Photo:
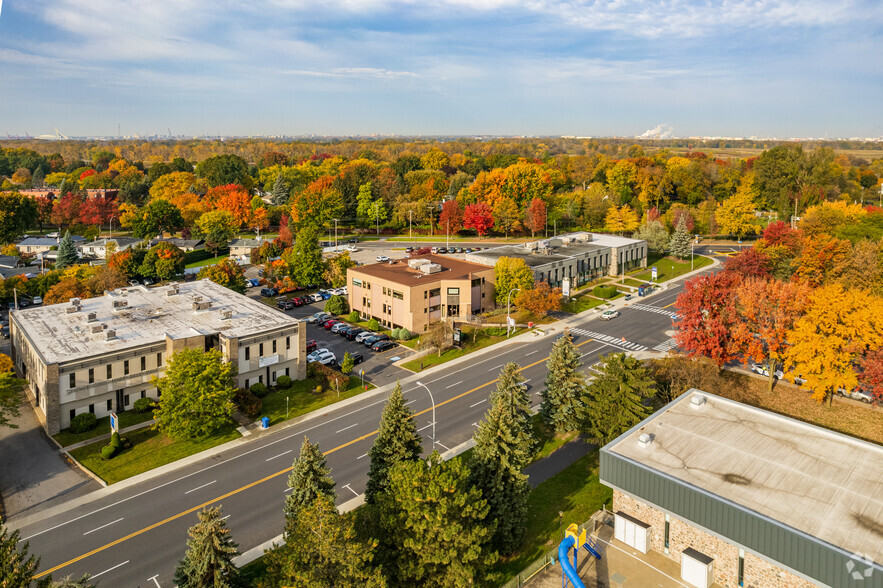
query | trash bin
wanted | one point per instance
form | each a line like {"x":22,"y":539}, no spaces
{"x":265,"y":422}
{"x":641,"y":291}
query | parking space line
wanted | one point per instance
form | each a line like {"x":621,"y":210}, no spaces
{"x":109,"y":570}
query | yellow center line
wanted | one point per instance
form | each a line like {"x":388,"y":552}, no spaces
{"x":261,"y":481}
{"x":672,"y":304}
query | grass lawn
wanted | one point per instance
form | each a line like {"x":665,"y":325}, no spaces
{"x":669,"y":267}
{"x":576,"y":492}
{"x":551,"y":441}
{"x":209,"y":261}
{"x":469,"y":346}
{"x":634,"y":283}
{"x":150,"y":449}
{"x":302,"y":399}
{"x":127,"y":419}
{"x":581,"y":303}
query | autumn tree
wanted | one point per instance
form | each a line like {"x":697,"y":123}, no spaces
{"x":222,"y":170}
{"x":505,"y":215}
{"x":98,"y":210}
{"x":217,"y":227}
{"x":749,"y":263}
{"x":736,"y":215}
{"x":535,"y":216}
{"x":616,"y":397}
{"x":539,"y":300}
{"x":511,"y":273}
{"x":17,"y":566}
{"x":564,"y":399}
{"x":163,"y":261}
{"x":451,"y":216}
{"x":656,"y":235}
{"x":439,"y":335}
{"x":478,"y":217}
{"x":823,"y":259}
{"x":621,"y":220}
{"x":66,"y":210}
{"x":305,"y":258}
{"x":66,"y":289}
{"x":870,"y":372}
{"x":233,"y":199}
{"x":397,"y":441}
{"x":337,"y":266}
{"x":706,"y":317}
{"x":227,"y":273}
{"x":839,"y":327}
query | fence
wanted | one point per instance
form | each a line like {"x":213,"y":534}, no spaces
{"x":598,"y":519}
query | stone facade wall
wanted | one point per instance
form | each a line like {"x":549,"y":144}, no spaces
{"x":758,"y":573}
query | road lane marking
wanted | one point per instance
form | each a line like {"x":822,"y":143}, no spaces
{"x":101,"y":527}
{"x":363,"y":455}
{"x":201,"y":487}
{"x":109,"y":570}
{"x":477,"y":403}
{"x":265,"y":478}
{"x":280,"y":455}
{"x":454,"y":384}
{"x":496,"y":367}
{"x":345,"y":428}
{"x":426,"y":427}
{"x":531,"y":352}
{"x":351,"y":490}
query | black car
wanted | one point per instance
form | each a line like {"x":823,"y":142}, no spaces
{"x":285,"y":304}
{"x":353,"y":240}
{"x":343,"y":332}
{"x":357,"y":358}
{"x":351,"y":334}
{"x":383,"y":345}
{"x":441,"y":251}
{"x":269,"y":292}
{"x":372,"y":340}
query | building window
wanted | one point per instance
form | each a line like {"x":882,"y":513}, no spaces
{"x":73,"y":380}
{"x":357,"y":282}
{"x":110,"y":372}
{"x":667,"y":532}
{"x":398,"y":295}
{"x":274,"y":346}
{"x":246,"y":383}
{"x":91,"y":376}
{"x":288,"y":342}
{"x":72,"y":414}
{"x":286,"y":371}
{"x":425,"y":294}
{"x":453,"y":291}
{"x":143,"y":364}
{"x":247,"y":357}
{"x":261,"y":350}
{"x":126,"y":368}
{"x":92,"y":407}
{"x":158,"y":359}
{"x":109,"y":405}
{"x":143,"y":393}
{"x":260,"y":379}
{"x":125,"y":400}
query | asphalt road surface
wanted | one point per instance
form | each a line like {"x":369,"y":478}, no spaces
{"x":135,"y":536}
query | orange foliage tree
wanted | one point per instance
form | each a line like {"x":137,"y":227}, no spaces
{"x":232,"y":198}
{"x":539,"y":300}
{"x":823,"y":260}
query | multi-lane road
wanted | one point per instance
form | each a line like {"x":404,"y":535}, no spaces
{"x":134,"y":536}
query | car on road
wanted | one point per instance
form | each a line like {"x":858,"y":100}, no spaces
{"x":323,"y":356}
{"x":856,"y":394}
{"x":38,"y":300}
{"x":368,"y":342}
{"x":381,"y":259}
{"x":360,"y":338}
{"x":628,"y":296}
{"x":269,"y":292}
{"x":311,"y":345}
{"x":352,"y":248}
{"x":609,"y":315}
{"x":799,"y":380}
{"x":761,"y":369}
{"x":382,"y":345}
{"x":285,"y":304}
{"x":319,"y":317}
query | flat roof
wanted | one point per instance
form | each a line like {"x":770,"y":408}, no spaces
{"x":150,"y":315}
{"x":401,"y":273}
{"x":577,"y":247}
{"x":825,"y":484}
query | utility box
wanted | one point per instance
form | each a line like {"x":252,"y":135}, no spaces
{"x":697,"y":569}
{"x":632,"y":532}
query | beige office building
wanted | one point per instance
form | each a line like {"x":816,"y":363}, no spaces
{"x":100,"y":355}
{"x":412,"y":293}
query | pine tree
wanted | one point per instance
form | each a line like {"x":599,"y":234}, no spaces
{"x":17,"y":568}
{"x":67,"y":252}
{"x":680,"y":240}
{"x":504,"y":445}
{"x":564,"y":397}
{"x":280,"y":191}
{"x":397,"y":441}
{"x":38,"y":178}
{"x":310,"y":478}
{"x":210,"y":552}
{"x":83,"y":581}
{"x":616,"y":396}
{"x":435,"y":530}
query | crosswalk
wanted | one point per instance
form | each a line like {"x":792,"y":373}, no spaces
{"x":666,"y":346}
{"x":655,"y":309}
{"x":610,"y":340}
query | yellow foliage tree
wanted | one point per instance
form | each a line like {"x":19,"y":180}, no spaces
{"x":622,"y":220}
{"x":736,"y":215}
{"x":838,"y":327}
{"x":128,"y":212}
{"x":828,"y":216}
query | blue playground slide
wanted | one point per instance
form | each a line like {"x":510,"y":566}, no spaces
{"x":592,"y":547}
{"x":568,"y":568}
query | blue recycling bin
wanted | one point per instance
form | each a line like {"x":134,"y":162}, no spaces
{"x":265,"y":422}
{"x":640,"y":290}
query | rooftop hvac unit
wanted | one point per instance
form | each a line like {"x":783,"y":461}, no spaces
{"x":645,"y":439}
{"x":97,"y":328}
{"x":431,"y":268}
{"x":697,"y":402}
{"x":91,"y":317}
{"x":554,"y":242}
{"x":227,"y":314}
{"x":415,"y":263}
{"x":110,"y":335}
{"x":120,"y":304}
{"x":197,"y":306}
{"x":72,"y":309}
{"x":173,"y":289}
{"x":531,"y":245}
{"x":75,"y":302}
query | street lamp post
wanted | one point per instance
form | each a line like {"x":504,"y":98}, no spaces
{"x":691,"y":256}
{"x":111,"y":227}
{"x":335,"y":235}
{"x":286,"y":408}
{"x":432,"y":400}
{"x":508,"y":318}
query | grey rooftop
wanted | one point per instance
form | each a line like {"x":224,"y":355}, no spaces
{"x":148,"y":316}
{"x":825,"y":484}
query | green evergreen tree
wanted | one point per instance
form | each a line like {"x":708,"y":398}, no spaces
{"x":323,"y":549}
{"x":396,"y":441}
{"x":38,"y":178}
{"x":280,"y":191}
{"x":346,"y":366}
{"x":564,"y":397}
{"x":17,"y":568}
{"x":305,"y":260}
{"x":616,"y":397}
{"x":71,"y":582}
{"x":310,"y":478}
{"x":680,"y":240}
{"x":504,"y":445}
{"x":208,"y":562}
{"x":435,"y":530}
{"x":67,"y":252}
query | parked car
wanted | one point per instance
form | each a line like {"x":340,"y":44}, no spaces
{"x":323,"y":356}
{"x":434,"y":250}
{"x":314,"y":297}
{"x":330,"y":323}
{"x":360,"y":338}
{"x":134,"y":283}
{"x":339,"y":327}
{"x":442,"y":251}
{"x":319,"y":317}
{"x":609,"y":315}
{"x":269,"y":292}
{"x":409,"y":249}
{"x":856,"y":394}
{"x":298,"y":301}
{"x":353,"y":333}
{"x":381,"y":258}
{"x":38,"y":300}
{"x":761,"y":369}
{"x":311,"y":345}
{"x":799,"y":380}
{"x":628,"y":296}
{"x":24,"y":303}
{"x":357,"y":358}
{"x":353,"y":240}
{"x":252,"y":283}
{"x":4,"y":331}
{"x":352,"y":248}
{"x":374,"y":339}
{"x":284,"y":304}
{"x":382,"y":345}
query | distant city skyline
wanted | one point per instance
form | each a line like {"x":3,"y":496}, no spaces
{"x":678,"y":68}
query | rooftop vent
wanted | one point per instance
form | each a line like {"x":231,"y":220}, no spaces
{"x":197,"y":298}
{"x":97,"y":329}
{"x":91,"y":317}
{"x":197,"y":306}
{"x":698,"y":401}
{"x":415,"y":263}
{"x":173,"y":289}
{"x":431,"y":268}
{"x":645,"y":439}
{"x":227,"y":314}
{"x":110,"y":335}
{"x":531,"y":245}
{"x":72,"y":309}
{"x":120,"y":304}
{"x":75,"y":302}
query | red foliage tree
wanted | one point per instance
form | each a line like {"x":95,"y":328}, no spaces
{"x":87,"y":173}
{"x":97,"y":211}
{"x":285,"y":238}
{"x":870,"y":375}
{"x":706,"y":317}
{"x":653,"y":214}
{"x":748,"y":263}
{"x":535,"y":216}
{"x":679,"y":214}
{"x":232,"y":198}
{"x":451,"y":216}
{"x":781,"y":233}
{"x":44,"y":210}
{"x":479,"y":217}
{"x":66,"y":210}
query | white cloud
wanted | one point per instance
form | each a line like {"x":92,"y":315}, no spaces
{"x":351,"y":72}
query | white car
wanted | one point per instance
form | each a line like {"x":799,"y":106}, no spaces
{"x":38,"y":300}
{"x":856,"y":394}
{"x":323,"y":356}
{"x":360,"y":338}
{"x":318,"y":317}
{"x":316,"y":298}
{"x":381,"y":258}
{"x":352,"y":248}
{"x":761,"y":369}
{"x":609,"y":315}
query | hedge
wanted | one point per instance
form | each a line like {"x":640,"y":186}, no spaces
{"x":283,"y":382}
{"x":143,"y":404}
{"x":604,"y":291}
{"x":259,"y":390}
{"x":83,"y":422}
{"x":201,"y":254}
{"x":108,"y":451}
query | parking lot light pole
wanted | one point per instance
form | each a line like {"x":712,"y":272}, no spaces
{"x":431,"y":399}
{"x":508,"y":318}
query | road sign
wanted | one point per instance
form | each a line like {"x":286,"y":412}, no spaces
{"x":114,"y":423}
{"x":457,"y":335}
{"x":565,"y":287}
{"x":653,"y":273}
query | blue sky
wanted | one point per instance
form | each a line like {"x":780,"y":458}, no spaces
{"x":800,"y":68}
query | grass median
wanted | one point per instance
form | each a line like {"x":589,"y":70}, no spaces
{"x":669,"y":268}
{"x":472,"y":340}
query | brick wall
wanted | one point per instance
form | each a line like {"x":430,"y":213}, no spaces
{"x":758,"y":573}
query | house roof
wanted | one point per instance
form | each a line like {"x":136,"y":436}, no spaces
{"x":8,"y":261}
{"x":120,"y":241}
{"x":246,"y":242}
{"x":399,"y":272}
{"x":47,"y":241}
{"x":182,"y":243}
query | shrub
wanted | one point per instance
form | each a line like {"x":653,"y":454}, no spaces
{"x":495,"y":331}
{"x":248,"y":403}
{"x":604,"y":291}
{"x":373,"y":325}
{"x":353,"y":317}
{"x":258,"y":390}
{"x":143,"y":404}
{"x":394,"y":334}
{"x":83,"y":422}
{"x":283,"y":382}
{"x":329,"y":378}
{"x":108,"y":451}
{"x":337,"y":305}
{"x":115,"y":441}
{"x":404,"y":334}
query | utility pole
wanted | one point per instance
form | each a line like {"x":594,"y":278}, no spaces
{"x":335,"y":235}
{"x":410,"y":229}
{"x":448,"y":233}
{"x":377,"y":216}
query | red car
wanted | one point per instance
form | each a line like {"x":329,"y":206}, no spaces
{"x":311,"y":345}
{"x":298,"y":301}
{"x":330,"y":323}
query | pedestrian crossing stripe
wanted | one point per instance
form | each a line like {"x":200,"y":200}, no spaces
{"x":666,"y":345}
{"x":655,"y":309}
{"x":610,"y":340}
